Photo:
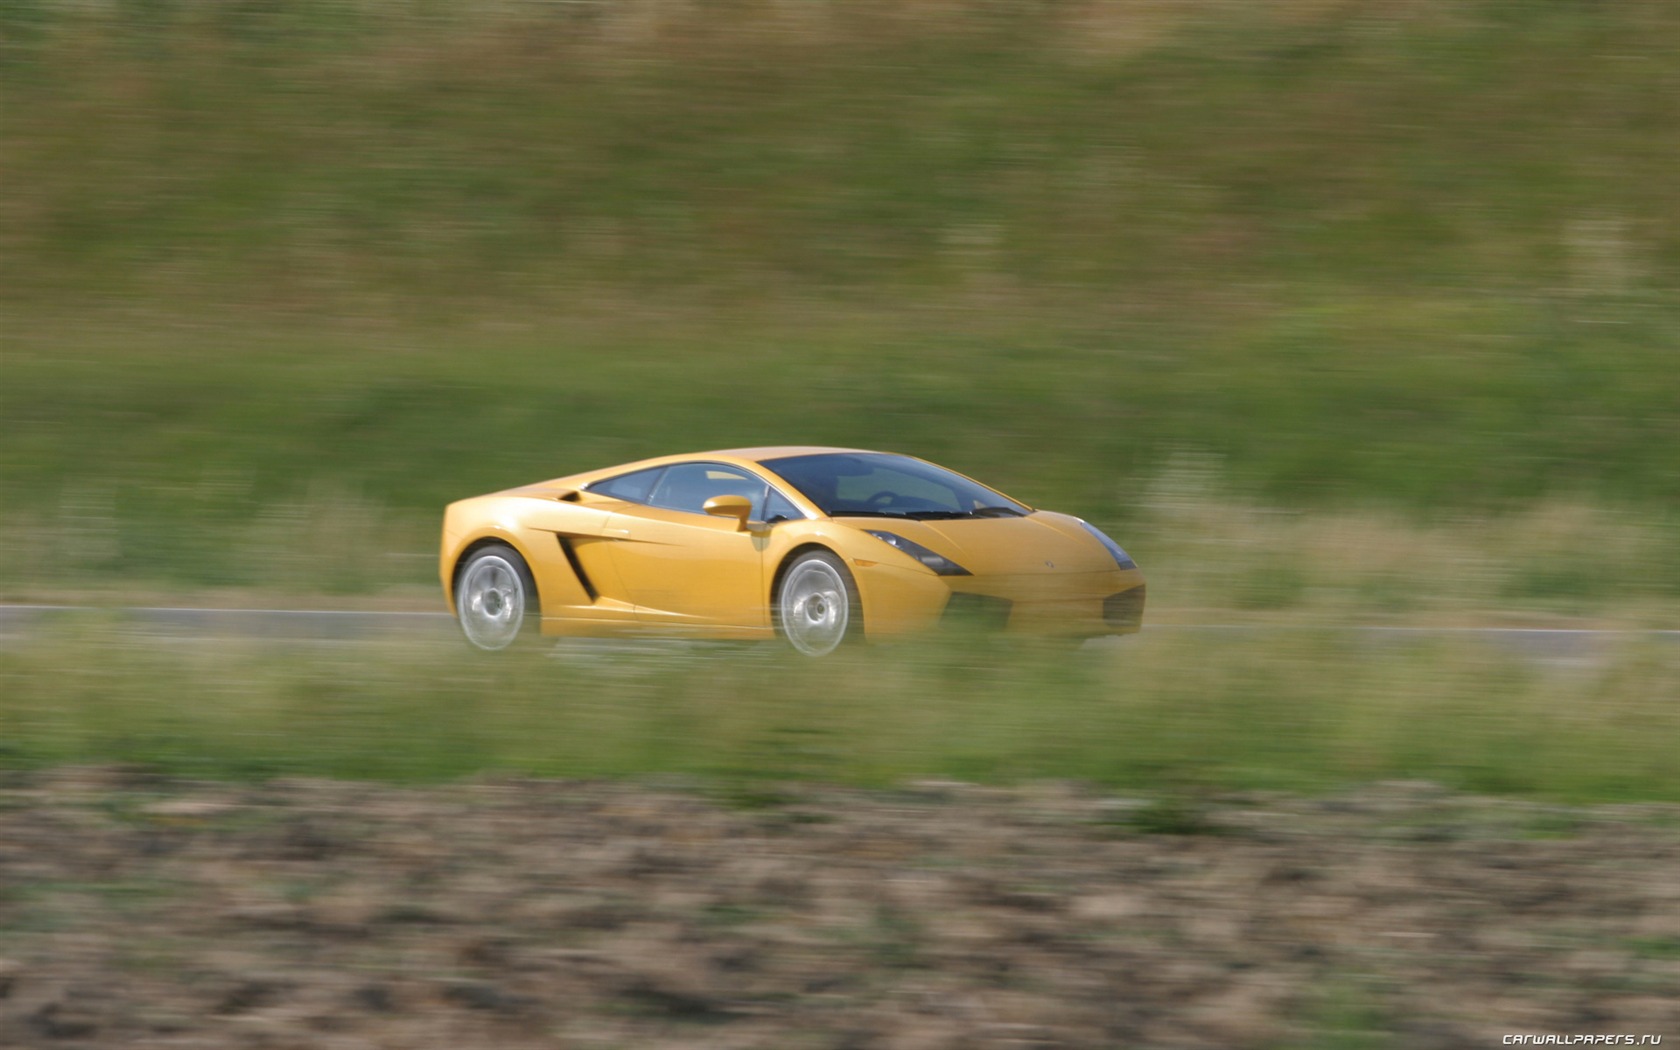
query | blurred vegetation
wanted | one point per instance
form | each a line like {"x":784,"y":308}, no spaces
{"x":1182,"y":712}
{"x":278,"y":280}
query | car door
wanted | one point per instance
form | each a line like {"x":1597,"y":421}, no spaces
{"x":681,"y":565}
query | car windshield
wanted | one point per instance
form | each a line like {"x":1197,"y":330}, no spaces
{"x":876,"y":484}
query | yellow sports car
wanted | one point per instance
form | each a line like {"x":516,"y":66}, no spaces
{"x":820,"y":546}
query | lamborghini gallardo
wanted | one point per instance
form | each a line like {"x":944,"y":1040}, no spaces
{"x":820,"y":547}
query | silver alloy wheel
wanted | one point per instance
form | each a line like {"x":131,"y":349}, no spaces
{"x":491,"y":601}
{"x":815,"y":607}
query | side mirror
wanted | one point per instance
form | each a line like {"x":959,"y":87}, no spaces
{"x":737,"y":507}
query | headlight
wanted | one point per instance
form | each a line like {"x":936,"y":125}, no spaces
{"x":1115,"y":549}
{"x":937,"y":562}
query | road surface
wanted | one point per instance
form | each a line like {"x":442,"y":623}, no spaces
{"x":17,"y":621}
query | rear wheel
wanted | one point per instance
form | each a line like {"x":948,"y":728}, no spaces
{"x":817,"y":607}
{"x":496,"y":598}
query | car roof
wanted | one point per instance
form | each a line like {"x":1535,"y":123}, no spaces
{"x":755,"y":457}
{"x":764,"y":452}
{"x":740,"y":456}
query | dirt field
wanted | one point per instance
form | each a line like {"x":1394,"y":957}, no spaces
{"x":143,"y":913}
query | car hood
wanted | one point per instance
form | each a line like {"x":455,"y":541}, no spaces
{"x":1040,"y":543}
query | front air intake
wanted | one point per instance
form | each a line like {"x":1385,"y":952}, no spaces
{"x":1124,"y":609}
{"x":981,"y":611}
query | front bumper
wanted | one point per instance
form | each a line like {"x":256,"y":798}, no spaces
{"x":897,"y":602}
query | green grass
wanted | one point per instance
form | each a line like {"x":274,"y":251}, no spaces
{"x":1347,"y":1013}
{"x":1658,"y":948}
{"x":276,"y":281}
{"x":1172,"y":714}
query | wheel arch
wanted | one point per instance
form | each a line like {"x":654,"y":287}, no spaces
{"x":810,"y":547}
{"x":493,"y":540}
{"x":790,"y":557}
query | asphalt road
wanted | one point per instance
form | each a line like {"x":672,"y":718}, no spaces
{"x":299,"y":624}
{"x":349,"y":626}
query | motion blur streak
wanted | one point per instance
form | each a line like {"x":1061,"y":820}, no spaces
{"x":1360,"y":312}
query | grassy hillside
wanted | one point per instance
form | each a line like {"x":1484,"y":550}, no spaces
{"x":268,"y":270}
{"x":316,"y":150}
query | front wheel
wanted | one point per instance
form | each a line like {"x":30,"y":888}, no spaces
{"x":817,"y":605}
{"x":495,"y":598}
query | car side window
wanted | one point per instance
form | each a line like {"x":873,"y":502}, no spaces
{"x":779,"y":508}
{"x":632,"y":488}
{"x":687,"y":487}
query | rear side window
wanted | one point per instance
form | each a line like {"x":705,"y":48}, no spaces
{"x":632,"y":488}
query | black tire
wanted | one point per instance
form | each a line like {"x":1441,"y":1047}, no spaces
{"x":496,"y":598}
{"x":817,"y":608}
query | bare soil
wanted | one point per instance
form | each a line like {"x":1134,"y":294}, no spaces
{"x":140,"y":912}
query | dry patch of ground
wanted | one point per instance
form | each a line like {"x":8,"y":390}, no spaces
{"x":148,"y":913}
